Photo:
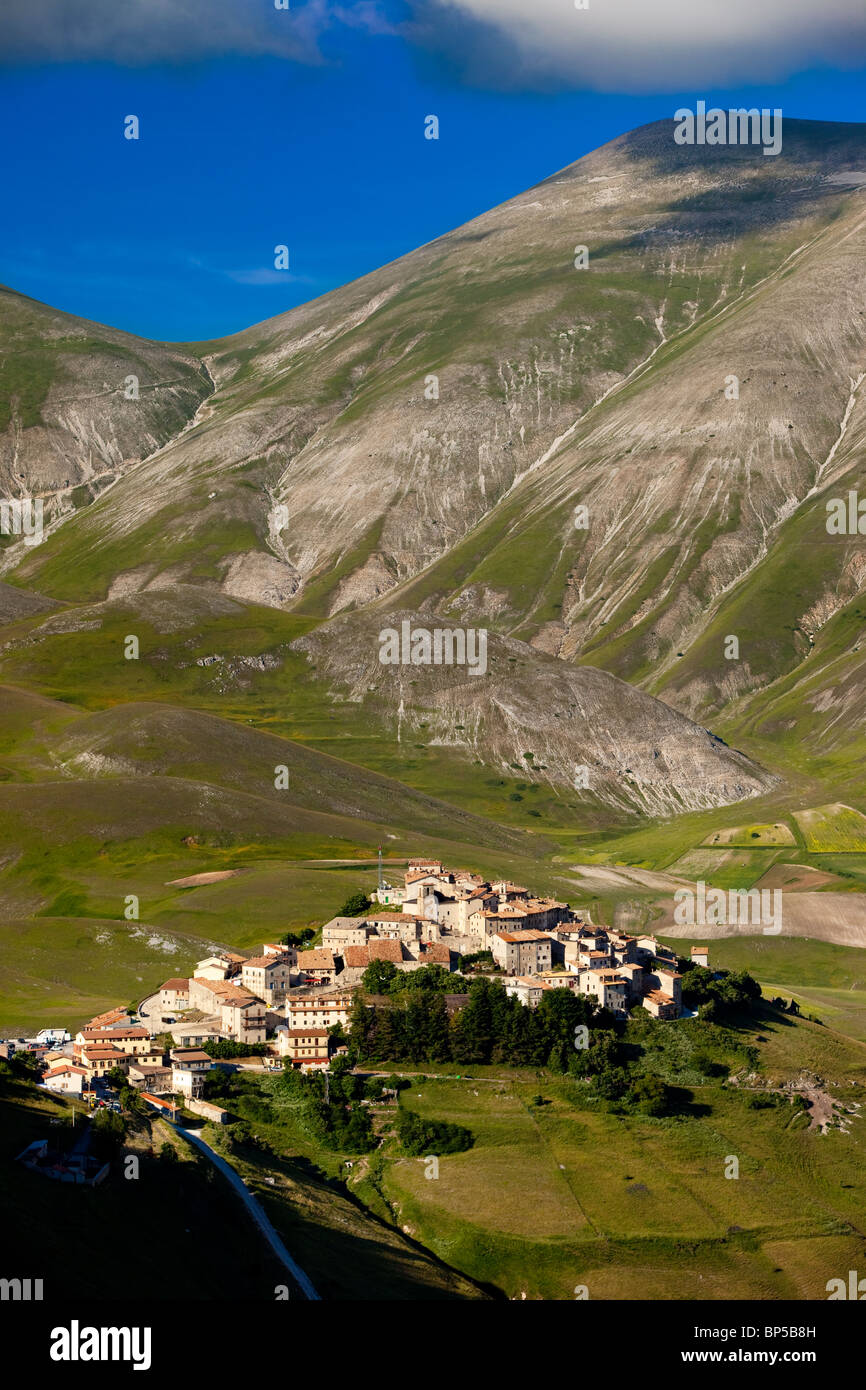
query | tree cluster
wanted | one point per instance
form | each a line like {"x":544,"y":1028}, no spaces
{"x":340,"y":1123}
{"x":414,"y":1026}
{"x":355,"y":905}
{"x":225,"y":1048}
{"x":733,"y":992}
{"x":383,"y":977}
{"x":420,"y":1137}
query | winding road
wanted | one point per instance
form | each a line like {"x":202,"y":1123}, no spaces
{"x":256,"y":1211}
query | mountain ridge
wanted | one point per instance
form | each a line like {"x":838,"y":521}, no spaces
{"x":421,"y":439}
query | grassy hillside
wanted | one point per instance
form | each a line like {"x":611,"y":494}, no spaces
{"x":192,"y":1240}
{"x":557,"y":1190}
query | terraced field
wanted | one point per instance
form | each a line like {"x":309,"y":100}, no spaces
{"x":753,"y":836}
{"x":833,"y":829}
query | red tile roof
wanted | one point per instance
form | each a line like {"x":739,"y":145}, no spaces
{"x":318,"y":959}
{"x":377,"y":949}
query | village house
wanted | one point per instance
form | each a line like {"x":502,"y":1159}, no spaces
{"x":188,"y":1069}
{"x":545,"y":914}
{"x":667,"y":984}
{"x":509,"y":892}
{"x":357,"y":958}
{"x":700,"y":955}
{"x":400,"y":926}
{"x":68,"y":1077}
{"x":634,"y":977}
{"x":99,"y":1060}
{"x":485,"y":923}
{"x":194,"y":1034}
{"x":454,"y":913}
{"x":560,"y":979}
{"x":174,"y":996}
{"x":318,"y":1010}
{"x":607,"y":987}
{"x":317,"y":967}
{"x":214,"y":968}
{"x":268,"y":976}
{"x":157,"y":1078}
{"x":345,"y":931}
{"x":136,"y":1042}
{"x":306,"y":1047}
{"x":660,"y":1005}
{"x":623,"y":948}
{"x":109,"y":1019}
{"x":237,"y":1012}
{"x":389,"y":894}
{"x":215,"y":1113}
{"x":589,"y":958}
{"x":433,"y":953}
{"x":521,"y":952}
{"x":565,"y":942}
{"x":649,"y":949}
{"x":527,"y":989}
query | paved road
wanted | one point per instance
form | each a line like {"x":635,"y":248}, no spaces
{"x":149,"y":1010}
{"x":256,"y":1211}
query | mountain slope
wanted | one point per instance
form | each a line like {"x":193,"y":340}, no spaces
{"x":71,"y":418}
{"x":577,"y":728}
{"x":323,"y":410}
{"x":421,"y":440}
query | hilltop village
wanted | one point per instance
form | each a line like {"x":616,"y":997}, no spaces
{"x":293,"y":1006}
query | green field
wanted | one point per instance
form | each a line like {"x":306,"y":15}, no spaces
{"x":833,"y":829}
{"x":828,"y":981}
{"x":752,"y":836}
{"x":215,"y":1251}
{"x":568,"y":1193}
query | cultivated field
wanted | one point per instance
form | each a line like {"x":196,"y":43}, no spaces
{"x":752,"y":836}
{"x":832,"y":829}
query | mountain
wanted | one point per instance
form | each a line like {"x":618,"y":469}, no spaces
{"x":421,"y":441}
{"x":80,"y":403}
{"x":566,"y":726}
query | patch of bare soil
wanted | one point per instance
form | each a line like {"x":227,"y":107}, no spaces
{"x":194,"y":880}
{"x":795,"y":878}
{"x":824,"y":1111}
{"x":826,"y":916}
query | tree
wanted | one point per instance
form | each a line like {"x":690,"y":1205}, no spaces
{"x":419,"y":1136}
{"x":298,"y":938}
{"x":132,"y":1101}
{"x":717,"y":993}
{"x":650,"y":1095}
{"x":377,"y":978}
{"x":108,"y":1132}
{"x":355,"y":905}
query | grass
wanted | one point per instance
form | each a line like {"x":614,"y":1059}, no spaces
{"x":215,"y":1253}
{"x":827,"y":981}
{"x":833,"y":829}
{"x":534,"y":1210}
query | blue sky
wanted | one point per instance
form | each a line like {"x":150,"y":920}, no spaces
{"x":172,"y":236}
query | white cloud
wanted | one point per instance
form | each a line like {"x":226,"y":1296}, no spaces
{"x":266,"y":276}
{"x":640,"y":45}
{"x":144,"y":31}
